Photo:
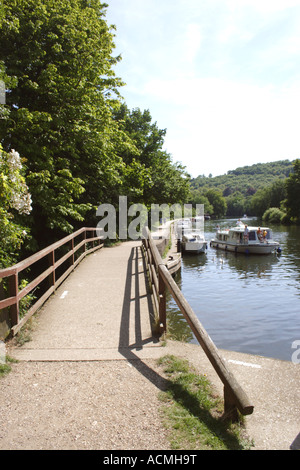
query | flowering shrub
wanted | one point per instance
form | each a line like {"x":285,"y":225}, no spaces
{"x":14,"y":198}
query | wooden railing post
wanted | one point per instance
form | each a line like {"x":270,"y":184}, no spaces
{"x":51,"y":260}
{"x":162,"y":301}
{"x":234,"y":396}
{"x":73,"y":254}
{"x":13,"y":292}
{"x":85,"y":241}
{"x":230,"y":409}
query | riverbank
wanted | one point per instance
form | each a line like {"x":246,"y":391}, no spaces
{"x":89,"y":379}
{"x":271,"y":384}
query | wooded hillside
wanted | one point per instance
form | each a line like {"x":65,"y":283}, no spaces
{"x":249,"y":189}
{"x":247,"y":179}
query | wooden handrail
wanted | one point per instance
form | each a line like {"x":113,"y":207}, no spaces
{"x":40,"y":254}
{"x":12,"y":273}
{"x":234,"y":396}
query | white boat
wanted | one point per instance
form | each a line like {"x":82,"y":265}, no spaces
{"x":193,"y":242}
{"x":244,"y":239}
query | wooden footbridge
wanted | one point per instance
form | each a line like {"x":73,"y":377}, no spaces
{"x":104,"y":308}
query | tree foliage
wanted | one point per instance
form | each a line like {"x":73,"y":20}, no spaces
{"x":163,"y":181}
{"x":292,"y":202}
{"x":246,"y":180}
{"x":271,"y":196}
{"x":217,"y":201}
{"x":65,"y":113}
{"x":273,"y":215}
{"x":250,"y":189}
{"x":59,"y":53}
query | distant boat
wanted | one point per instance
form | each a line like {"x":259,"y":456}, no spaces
{"x":193,"y":242}
{"x":255,"y":240}
{"x":189,"y":235}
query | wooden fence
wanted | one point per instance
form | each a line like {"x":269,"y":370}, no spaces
{"x":235,"y":397}
{"x":56,"y":267}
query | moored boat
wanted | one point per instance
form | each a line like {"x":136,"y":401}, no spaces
{"x":193,"y":242}
{"x":247,"y":240}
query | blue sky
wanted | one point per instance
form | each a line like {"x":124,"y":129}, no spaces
{"x":222,"y":76}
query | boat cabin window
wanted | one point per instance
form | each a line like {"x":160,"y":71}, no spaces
{"x":222,"y":236}
{"x":252,"y":236}
{"x":236,"y":235}
{"x":239,"y":236}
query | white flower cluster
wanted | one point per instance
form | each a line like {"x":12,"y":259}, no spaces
{"x":14,"y":161}
{"x":20,"y":198}
{"x":22,"y":201}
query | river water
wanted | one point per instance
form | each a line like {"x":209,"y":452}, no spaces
{"x":246,"y":303}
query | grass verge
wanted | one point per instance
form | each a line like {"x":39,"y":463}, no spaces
{"x":192,"y":412}
{"x":5,"y":368}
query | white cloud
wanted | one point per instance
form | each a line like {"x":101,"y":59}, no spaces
{"x":221,"y":75}
{"x":263,"y":6}
{"x":193,"y":41}
{"x":222,"y":124}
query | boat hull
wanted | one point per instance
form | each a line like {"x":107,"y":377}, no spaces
{"x":246,"y":248}
{"x":194,"y":247}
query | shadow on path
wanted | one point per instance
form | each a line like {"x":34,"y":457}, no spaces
{"x":131,"y":314}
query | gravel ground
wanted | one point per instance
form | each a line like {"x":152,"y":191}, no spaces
{"x":114,"y":405}
{"x":107,"y":405}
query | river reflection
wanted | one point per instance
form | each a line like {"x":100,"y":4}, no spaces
{"x":247,"y":303}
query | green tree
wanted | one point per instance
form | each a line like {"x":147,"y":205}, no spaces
{"x":273,"y":215}
{"x":277,"y":193}
{"x":217,"y":201}
{"x":270,"y":196}
{"x":157,"y":179}
{"x":197,"y":197}
{"x":236,"y":204}
{"x":260,"y":202}
{"x":292,"y":202}
{"x":58,"y":58}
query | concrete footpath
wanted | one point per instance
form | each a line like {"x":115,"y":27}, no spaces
{"x":101,"y":316}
